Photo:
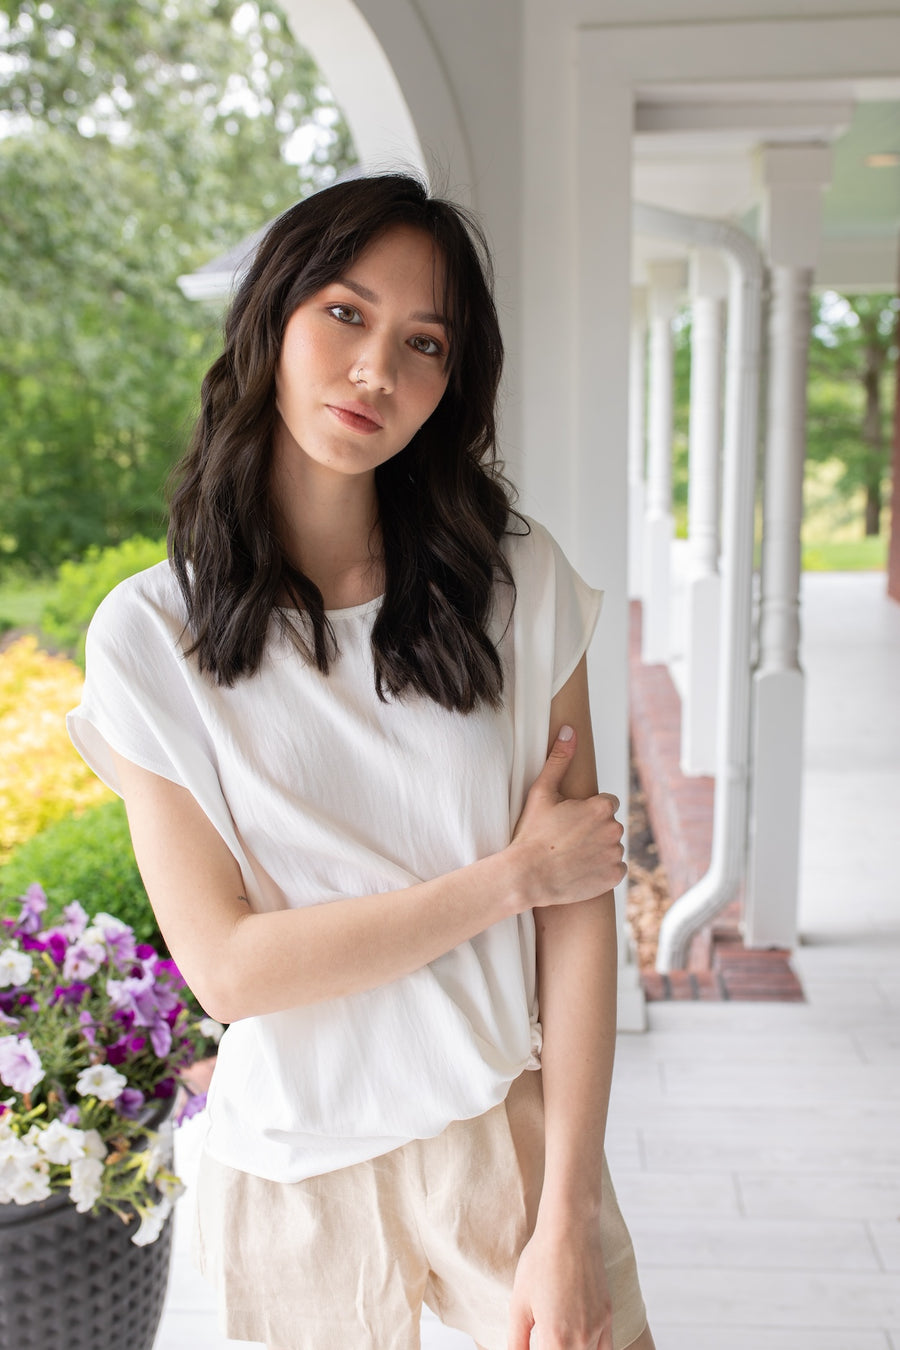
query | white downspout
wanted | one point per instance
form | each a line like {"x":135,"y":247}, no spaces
{"x":729,"y":847}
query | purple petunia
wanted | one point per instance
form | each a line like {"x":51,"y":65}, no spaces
{"x":70,"y":993}
{"x":20,"y":1064}
{"x":193,"y":1106}
{"x":57,"y":946}
{"x":88,"y":1028}
{"x":34,"y":902}
{"x":129,"y":1103}
{"x":76,"y":921}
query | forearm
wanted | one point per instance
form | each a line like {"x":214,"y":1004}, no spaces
{"x":240,"y":963}
{"x":292,"y":957}
{"x":577,"y":966}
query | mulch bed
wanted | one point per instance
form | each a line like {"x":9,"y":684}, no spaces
{"x":648,"y":886}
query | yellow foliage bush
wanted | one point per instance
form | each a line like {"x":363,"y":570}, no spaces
{"x":42,"y":778}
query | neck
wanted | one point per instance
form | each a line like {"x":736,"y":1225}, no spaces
{"x":329,"y":528}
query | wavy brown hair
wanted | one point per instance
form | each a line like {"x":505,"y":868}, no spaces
{"x":443,"y":502}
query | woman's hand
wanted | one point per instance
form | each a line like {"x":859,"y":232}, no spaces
{"x":573,"y":846}
{"x":560,"y":1290}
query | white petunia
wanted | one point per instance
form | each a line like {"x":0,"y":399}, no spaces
{"x":94,"y":1146}
{"x":208,"y":1026}
{"x":100,"y":1081}
{"x":61,"y":1143}
{"x":152,"y":1223}
{"x":13,"y":1149}
{"x":30,"y":1185}
{"x":109,"y":927}
{"x":15,"y":967}
{"x":87,"y":1183}
{"x":169,"y":1186}
{"x":159,"y":1154}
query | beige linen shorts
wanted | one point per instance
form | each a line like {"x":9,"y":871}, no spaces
{"x":344,"y":1261}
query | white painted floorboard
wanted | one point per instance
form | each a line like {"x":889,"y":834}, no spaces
{"x":756,"y":1147}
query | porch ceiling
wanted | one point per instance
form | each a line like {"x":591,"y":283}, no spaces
{"x":695,"y":150}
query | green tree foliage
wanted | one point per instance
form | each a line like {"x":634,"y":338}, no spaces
{"x":852,"y":351}
{"x":138,"y":138}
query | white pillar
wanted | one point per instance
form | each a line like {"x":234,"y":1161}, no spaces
{"x":793,"y":177}
{"x":599,"y":274}
{"x":637,"y":382}
{"x":666,"y":287}
{"x":709,"y":287}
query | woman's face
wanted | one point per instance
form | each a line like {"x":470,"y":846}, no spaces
{"x":364,"y":361}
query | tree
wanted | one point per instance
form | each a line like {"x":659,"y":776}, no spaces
{"x":852,"y":350}
{"x":137,"y":139}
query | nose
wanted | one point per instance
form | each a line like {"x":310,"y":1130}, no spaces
{"x":375,"y":365}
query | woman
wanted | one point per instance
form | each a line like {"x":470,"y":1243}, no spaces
{"x":329,"y":715}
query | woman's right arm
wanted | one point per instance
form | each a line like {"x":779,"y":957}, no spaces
{"x":240,"y":963}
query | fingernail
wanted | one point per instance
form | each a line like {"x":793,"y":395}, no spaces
{"x":566,"y":733}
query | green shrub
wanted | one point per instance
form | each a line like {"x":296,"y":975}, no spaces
{"x":82,"y":585}
{"x":87,"y":858}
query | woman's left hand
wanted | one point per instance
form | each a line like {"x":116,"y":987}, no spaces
{"x":560,"y":1290}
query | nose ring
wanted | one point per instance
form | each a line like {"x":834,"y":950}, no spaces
{"x":359,"y":376}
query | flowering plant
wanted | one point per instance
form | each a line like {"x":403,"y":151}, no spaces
{"x":93,"y":1035}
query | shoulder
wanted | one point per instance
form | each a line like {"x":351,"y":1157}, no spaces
{"x":146,"y":604}
{"x":532,"y":552}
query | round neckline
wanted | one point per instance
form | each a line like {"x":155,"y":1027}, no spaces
{"x":352,"y":610}
{"x":349,"y":612}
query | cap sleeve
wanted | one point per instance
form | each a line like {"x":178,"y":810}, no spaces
{"x":135,"y":700}
{"x":577,"y":610}
{"x":553,"y":622}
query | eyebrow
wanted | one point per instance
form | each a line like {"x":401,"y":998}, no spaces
{"x":421,"y":316}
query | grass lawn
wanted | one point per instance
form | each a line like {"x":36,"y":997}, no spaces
{"x":846,"y":555}
{"x":21,"y":601}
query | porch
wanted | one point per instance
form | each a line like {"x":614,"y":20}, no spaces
{"x":755,"y":1145}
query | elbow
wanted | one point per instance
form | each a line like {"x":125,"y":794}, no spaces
{"x":217,"y":1005}
{"x":219,"y":987}
{"x":224,"y":996}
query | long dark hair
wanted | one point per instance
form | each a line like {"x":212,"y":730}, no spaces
{"x":443,"y":502}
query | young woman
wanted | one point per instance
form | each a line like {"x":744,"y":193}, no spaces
{"x":349,"y":719}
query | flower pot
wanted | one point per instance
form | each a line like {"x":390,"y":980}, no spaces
{"x":78,"y":1281}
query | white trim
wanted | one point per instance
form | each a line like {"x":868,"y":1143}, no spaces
{"x":858,"y":49}
{"x":386,"y":76}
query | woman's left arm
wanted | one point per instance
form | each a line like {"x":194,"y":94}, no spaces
{"x":560,"y":1285}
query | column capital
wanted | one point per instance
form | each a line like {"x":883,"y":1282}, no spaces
{"x":793,"y":178}
{"x":806,"y":165}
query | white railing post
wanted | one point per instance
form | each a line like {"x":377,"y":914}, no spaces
{"x":709,"y":287}
{"x":637,"y":399}
{"x":794,"y":177}
{"x":666,"y":287}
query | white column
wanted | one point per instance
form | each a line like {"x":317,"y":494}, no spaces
{"x":599,"y":272}
{"x":793,"y":177}
{"x":709,"y":287}
{"x":637,"y":398}
{"x":666,"y":287}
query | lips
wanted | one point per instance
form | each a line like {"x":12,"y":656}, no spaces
{"x":356,"y":416}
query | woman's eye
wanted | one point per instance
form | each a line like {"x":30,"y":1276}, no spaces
{"x":427,"y":346}
{"x":345,"y":313}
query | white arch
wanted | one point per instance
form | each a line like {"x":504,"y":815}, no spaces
{"x":381,"y":66}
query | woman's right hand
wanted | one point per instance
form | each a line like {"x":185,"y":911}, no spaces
{"x":570,"y":849}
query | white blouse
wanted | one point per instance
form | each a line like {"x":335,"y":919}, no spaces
{"x":322,"y":791}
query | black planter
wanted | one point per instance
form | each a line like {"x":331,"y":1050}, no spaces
{"x":71,"y":1281}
